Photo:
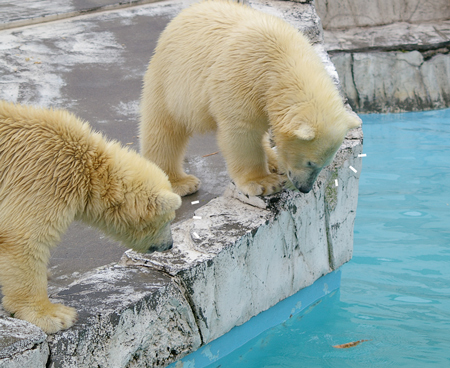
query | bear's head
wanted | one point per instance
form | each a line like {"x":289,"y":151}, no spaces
{"x":150,"y":214}
{"x":308,"y":139}
{"x":132,"y":201}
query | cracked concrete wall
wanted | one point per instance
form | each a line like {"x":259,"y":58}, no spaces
{"x":366,"y":13}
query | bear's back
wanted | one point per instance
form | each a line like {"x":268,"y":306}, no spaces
{"x":220,"y":50}
{"x":41,"y":150}
{"x":204,"y":30}
{"x":31,"y":131}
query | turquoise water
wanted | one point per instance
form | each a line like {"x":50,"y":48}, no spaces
{"x":395,"y":292}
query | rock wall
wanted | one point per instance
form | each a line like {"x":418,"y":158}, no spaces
{"x":394,"y":59}
{"x":394,"y":81}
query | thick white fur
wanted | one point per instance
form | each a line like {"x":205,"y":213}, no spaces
{"x":222,"y":65}
{"x":53,"y":170}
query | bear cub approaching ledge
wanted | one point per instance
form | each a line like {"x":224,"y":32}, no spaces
{"x":222,"y":65}
{"x":53,"y":170}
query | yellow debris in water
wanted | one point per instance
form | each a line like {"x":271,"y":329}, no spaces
{"x":349,"y":344}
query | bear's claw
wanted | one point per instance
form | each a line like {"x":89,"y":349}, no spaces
{"x":186,"y":185}
{"x":269,"y":184}
{"x":49,"y":317}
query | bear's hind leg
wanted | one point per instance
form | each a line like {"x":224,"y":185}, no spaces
{"x":247,"y":162}
{"x":23,"y":276}
{"x":166,"y":148}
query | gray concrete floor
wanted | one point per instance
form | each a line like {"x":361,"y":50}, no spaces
{"x":93,"y":65}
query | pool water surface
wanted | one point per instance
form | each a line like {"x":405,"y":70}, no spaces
{"x":395,"y":292}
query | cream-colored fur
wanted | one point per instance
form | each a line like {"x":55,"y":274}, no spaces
{"x":53,"y":170}
{"x":222,"y":65}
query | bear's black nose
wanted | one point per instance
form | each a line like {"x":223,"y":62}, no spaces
{"x":160,"y":247}
{"x":169,"y":245}
{"x":305,"y":189}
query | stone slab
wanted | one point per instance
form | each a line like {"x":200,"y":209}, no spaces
{"x":390,"y":56}
{"x":263,"y":249}
{"x":127,"y":317}
{"x":22,"y":345}
{"x":391,"y":37}
{"x":436,"y":76}
{"x":337,"y":14}
{"x":341,"y":199}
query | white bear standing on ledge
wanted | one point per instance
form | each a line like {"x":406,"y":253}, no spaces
{"x":222,"y":65}
{"x":53,"y":170}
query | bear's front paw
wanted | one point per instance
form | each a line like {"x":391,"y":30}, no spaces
{"x":186,"y":185}
{"x":266,"y":185}
{"x":49,"y":317}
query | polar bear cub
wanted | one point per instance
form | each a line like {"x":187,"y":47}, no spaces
{"x":222,"y":65}
{"x":53,"y":170}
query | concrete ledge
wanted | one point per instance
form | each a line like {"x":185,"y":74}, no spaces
{"x":231,"y":263}
{"x":127,"y":317}
{"x":22,"y":345}
{"x":392,"y":37}
{"x":339,"y":14}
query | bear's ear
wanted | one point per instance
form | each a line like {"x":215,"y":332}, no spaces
{"x":353,"y":120}
{"x":168,"y":201}
{"x":305,"y":132}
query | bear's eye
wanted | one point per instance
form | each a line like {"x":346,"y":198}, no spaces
{"x":310,"y":164}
